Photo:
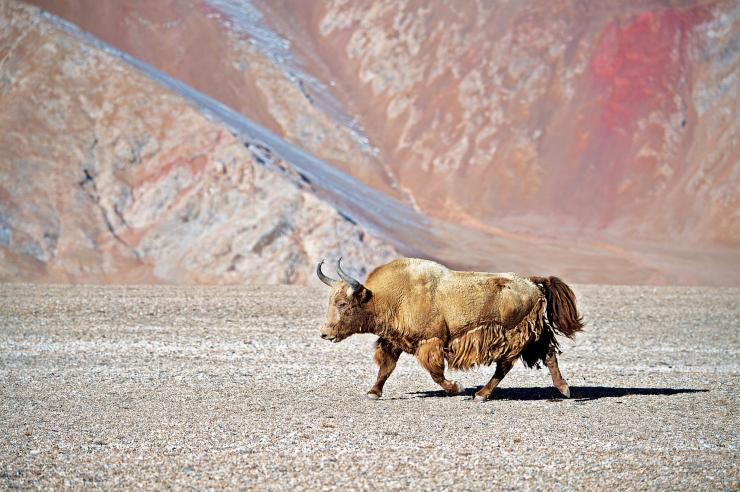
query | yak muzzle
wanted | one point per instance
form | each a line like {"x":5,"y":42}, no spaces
{"x":327,"y":336}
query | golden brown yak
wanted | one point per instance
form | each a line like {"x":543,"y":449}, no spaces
{"x":466,"y":318}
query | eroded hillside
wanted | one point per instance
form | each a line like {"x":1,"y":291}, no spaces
{"x":593,"y":140}
{"x":108,"y":177}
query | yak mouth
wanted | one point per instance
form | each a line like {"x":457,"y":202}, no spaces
{"x":333,"y":339}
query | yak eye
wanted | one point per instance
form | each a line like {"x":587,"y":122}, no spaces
{"x":342,"y":304}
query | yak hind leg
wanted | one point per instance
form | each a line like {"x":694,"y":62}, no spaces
{"x":431,"y":357}
{"x":551,"y":361}
{"x":502,"y":369}
{"x":386,"y":356}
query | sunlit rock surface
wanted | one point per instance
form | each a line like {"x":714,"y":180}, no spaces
{"x":594,"y":140}
{"x":107,"y":177}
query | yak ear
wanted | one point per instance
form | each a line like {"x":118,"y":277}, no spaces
{"x":362,"y":294}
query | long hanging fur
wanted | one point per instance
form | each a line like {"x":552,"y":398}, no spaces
{"x":490,"y":343}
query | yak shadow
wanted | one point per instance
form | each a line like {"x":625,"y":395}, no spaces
{"x":577,"y":393}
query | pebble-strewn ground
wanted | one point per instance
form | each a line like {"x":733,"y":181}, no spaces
{"x":214,"y":387}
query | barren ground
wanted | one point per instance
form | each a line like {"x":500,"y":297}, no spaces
{"x":214,"y":387}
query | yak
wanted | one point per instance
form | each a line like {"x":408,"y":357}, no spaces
{"x":467,"y":319}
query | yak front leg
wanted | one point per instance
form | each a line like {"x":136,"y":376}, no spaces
{"x":386,"y":356}
{"x":502,"y":369}
{"x":557,"y":379}
{"x":431,"y":356}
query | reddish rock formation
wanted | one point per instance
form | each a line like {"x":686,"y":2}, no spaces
{"x":107,"y":177}
{"x":593,"y":140}
{"x":613,"y":121}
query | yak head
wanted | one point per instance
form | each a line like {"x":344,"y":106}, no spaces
{"x":348,"y":311}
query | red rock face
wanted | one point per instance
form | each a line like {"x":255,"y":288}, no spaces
{"x":637,"y":100}
{"x":596,"y":140}
{"x":550,"y":115}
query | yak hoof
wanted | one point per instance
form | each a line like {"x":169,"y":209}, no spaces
{"x":373,"y":396}
{"x":565,"y":390}
{"x":480,"y":398}
{"x":457,"y":390}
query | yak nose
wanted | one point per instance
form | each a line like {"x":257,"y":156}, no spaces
{"x":324,"y":336}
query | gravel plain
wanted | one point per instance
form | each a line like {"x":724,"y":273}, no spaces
{"x":231,"y":387}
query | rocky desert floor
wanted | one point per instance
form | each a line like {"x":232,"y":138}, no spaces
{"x":231,"y":387}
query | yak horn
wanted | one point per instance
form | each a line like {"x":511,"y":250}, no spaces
{"x":353,"y":284}
{"x":327,"y":280}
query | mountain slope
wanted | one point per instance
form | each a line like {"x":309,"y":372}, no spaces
{"x":594,"y":141}
{"x":109,"y":177}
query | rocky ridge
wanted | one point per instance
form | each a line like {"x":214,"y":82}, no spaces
{"x":108,"y":177}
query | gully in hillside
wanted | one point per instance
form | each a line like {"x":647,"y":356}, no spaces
{"x":466,"y":318}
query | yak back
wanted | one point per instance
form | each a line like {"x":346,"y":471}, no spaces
{"x":424,"y":299}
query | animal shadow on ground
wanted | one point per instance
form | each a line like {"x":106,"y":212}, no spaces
{"x":577,"y":393}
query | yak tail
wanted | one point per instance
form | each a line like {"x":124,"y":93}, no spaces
{"x":561,"y":306}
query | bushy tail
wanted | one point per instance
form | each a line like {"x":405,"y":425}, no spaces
{"x":561,"y":306}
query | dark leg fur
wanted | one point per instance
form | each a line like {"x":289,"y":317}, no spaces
{"x":545,"y":349}
{"x":536,"y":352}
{"x":502,"y":368}
{"x":386,"y":356}
{"x":432,"y":358}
